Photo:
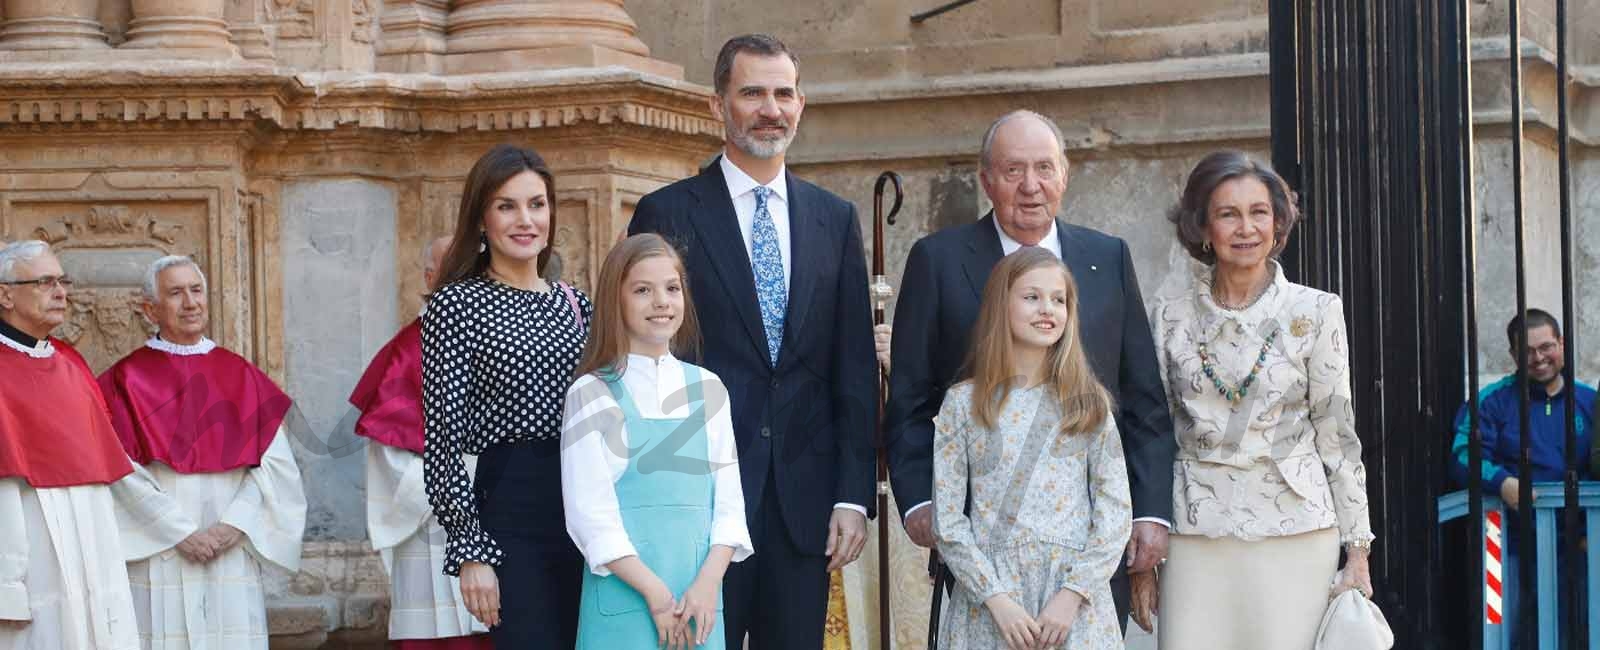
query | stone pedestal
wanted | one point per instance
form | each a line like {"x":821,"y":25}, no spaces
{"x":413,"y":37}
{"x":180,"y":29}
{"x":507,"y":35}
{"x":51,"y":25}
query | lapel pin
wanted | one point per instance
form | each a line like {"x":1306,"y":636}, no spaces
{"x":1093,"y":267}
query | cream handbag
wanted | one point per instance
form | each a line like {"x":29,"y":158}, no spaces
{"x":1353,"y":622}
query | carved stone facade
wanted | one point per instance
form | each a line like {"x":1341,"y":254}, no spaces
{"x":303,"y":151}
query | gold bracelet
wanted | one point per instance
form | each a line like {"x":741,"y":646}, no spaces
{"x":1363,"y":544}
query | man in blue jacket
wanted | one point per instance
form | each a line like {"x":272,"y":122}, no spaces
{"x":1499,"y":412}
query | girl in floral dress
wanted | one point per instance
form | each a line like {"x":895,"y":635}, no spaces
{"x":1032,"y":509}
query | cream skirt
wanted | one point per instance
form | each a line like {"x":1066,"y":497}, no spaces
{"x":1239,"y":595}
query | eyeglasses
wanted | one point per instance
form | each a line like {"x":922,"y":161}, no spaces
{"x":1544,"y":350}
{"x":46,"y":282}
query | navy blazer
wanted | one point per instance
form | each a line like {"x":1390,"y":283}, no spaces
{"x":809,"y":421}
{"x":940,"y":292}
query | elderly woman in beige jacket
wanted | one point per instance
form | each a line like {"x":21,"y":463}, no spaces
{"x":1268,"y":481}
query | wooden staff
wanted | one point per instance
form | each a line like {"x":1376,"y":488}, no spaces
{"x":882,"y":292}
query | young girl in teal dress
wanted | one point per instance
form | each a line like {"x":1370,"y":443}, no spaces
{"x":1030,"y":494}
{"x":649,"y":472}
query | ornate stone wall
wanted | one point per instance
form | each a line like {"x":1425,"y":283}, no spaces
{"x":302,"y":151}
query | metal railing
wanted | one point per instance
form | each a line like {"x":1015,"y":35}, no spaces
{"x":1549,"y":500}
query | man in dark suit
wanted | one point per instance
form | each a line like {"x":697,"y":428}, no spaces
{"x":1024,"y":172}
{"x":779,"y":280}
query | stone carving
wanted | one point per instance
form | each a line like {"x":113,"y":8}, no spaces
{"x":572,"y":241}
{"x":361,"y":14}
{"x":111,"y":226}
{"x":104,"y":324}
{"x":295,"y":19}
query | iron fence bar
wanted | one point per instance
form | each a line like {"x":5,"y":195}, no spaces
{"x":1468,"y":201}
{"x":1527,"y":599}
{"x":1576,"y":619}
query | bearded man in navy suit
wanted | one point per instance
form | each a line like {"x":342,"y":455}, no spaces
{"x":779,"y":280}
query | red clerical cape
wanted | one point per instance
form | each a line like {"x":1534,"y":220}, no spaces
{"x":53,"y":426}
{"x":199,"y":414}
{"x":389,"y":394}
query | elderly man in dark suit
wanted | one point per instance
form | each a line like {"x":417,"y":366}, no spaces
{"x":779,"y":279}
{"x":1024,"y":173}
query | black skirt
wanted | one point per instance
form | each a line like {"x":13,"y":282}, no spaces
{"x":518,"y":487}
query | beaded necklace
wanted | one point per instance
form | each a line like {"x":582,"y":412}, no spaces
{"x":1234,"y":394}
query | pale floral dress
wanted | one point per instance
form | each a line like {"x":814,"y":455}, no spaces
{"x":1049,"y":512}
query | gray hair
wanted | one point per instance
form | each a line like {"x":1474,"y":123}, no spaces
{"x":18,"y":252}
{"x":152,"y":277}
{"x":986,"y":153}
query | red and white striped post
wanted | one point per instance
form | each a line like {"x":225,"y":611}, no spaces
{"x":1493,"y":587}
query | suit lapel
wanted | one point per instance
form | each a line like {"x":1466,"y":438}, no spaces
{"x":1072,"y":254}
{"x":804,"y":233}
{"x":716,"y":225}
{"x":983,"y":252}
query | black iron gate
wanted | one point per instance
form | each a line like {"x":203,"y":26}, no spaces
{"x":1371,"y":123}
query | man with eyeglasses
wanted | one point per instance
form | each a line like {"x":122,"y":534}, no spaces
{"x":1499,"y":423}
{"x":220,"y":496}
{"x":63,"y":585}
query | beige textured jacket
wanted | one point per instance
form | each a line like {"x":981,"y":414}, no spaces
{"x":1285,"y":460}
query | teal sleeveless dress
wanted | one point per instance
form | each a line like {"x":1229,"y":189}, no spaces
{"x":666,"y":498}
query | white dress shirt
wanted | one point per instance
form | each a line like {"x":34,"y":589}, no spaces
{"x":741,"y":188}
{"x":1052,"y":243}
{"x":594,"y":441}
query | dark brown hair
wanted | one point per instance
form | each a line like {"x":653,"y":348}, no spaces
{"x":1191,"y":214}
{"x":757,"y":44}
{"x":463,"y":260}
{"x":607,"y":349}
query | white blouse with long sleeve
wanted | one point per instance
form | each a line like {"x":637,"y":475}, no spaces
{"x":594,"y":448}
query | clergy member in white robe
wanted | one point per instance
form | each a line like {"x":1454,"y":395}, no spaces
{"x":63,"y":585}
{"x":221,"y":495}
{"x":425,"y":607}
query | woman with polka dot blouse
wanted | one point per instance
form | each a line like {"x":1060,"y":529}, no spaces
{"x":499,"y":346}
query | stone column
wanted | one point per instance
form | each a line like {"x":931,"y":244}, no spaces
{"x":413,"y":37}
{"x":505,"y":35}
{"x":180,"y":28}
{"x":51,"y":25}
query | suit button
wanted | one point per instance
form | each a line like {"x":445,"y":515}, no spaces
{"x":766,"y":432}
{"x":774,"y":383}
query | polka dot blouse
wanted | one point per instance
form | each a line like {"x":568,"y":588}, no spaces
{"x":496,"y":364}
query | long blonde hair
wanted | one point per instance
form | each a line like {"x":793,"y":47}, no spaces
{"x":1085,"y":404}
{"x":606,"y":352}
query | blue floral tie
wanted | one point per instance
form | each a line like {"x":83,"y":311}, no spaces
{"x":767,"y":262}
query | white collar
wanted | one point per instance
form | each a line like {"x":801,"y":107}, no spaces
{"x":44,"y":350}
{"x":645,"y":360}
{"x":205,"y":346}
{"x":1051,"y":241}
{"x":740,"y":183}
